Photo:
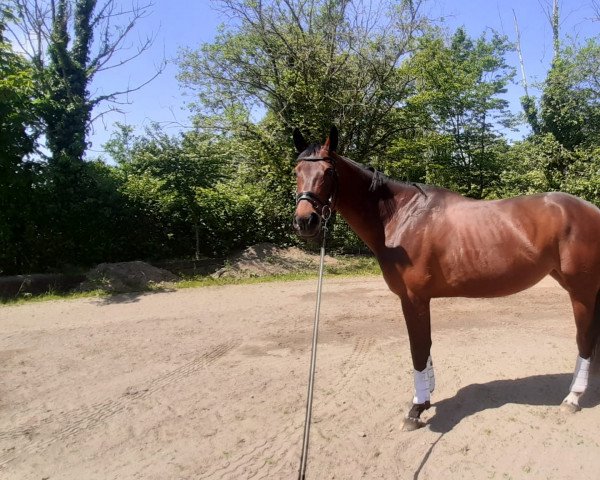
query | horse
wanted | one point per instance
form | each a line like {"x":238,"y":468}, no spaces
{"x":431,"y":242}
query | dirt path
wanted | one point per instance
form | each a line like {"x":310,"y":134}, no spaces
{"x":210,"y":383}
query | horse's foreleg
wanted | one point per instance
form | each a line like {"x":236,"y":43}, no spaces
{"x":417,"y":316}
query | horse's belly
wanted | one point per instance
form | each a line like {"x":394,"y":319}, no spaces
{"x":490,"y":273}
{"x":490,"y":286}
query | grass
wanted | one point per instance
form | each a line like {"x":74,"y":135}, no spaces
{"x":48,"y":296}
{"x":345,"y":267}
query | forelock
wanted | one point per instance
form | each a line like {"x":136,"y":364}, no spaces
{"x":311,"y":151}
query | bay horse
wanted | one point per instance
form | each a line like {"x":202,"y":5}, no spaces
{"x":431,"y":242}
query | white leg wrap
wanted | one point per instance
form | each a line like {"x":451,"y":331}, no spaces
{"x":581,"y":375}
{"x":421,"y":387}
{"x":424,"y":383}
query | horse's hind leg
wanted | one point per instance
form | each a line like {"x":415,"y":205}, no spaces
{"x":584,"y":309}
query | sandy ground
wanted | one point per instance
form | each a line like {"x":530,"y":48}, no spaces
{"x":210,"y":383}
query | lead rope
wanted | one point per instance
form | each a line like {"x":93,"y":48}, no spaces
{"x":313,"y":358}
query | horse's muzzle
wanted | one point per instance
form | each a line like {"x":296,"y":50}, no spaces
{"x":309,"y":226}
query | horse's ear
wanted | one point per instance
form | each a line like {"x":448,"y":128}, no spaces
{"x":299,"y":141}
{"x":333,"y":139}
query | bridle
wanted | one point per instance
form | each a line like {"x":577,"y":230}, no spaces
{"x":324,"y":209}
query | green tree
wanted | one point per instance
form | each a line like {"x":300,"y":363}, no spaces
{"x":460,"y":87}
{"x":583,"y":175}
{"x":281,"y":64}
{"x":17,"y":100}
{"x":70,"y":42}
{"x":570,"y":108}
{"x":567,"y":116}
{"x":309,"y":64}
{"x":528,"y":166}
{"x":18,"y":175}
{"x":68,"y":112}
{"x":166,"y":172}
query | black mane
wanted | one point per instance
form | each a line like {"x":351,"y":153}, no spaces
{"x":379,"y":180}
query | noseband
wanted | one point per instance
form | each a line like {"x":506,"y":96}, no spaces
{"x":324,"y":209}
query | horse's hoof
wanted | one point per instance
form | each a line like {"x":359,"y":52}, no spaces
{"x":410,"y":424}
{"x":569,"y":407}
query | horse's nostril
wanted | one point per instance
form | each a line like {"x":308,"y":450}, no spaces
{"x":307,"y":225}
{"x":301,"y":223}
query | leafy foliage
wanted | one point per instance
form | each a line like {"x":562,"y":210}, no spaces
{"x":18,"y":133}
{"x":570,"y":108}
{"x":583,"y":175}
{"x":460,"y":83}
{"x":309,"y":64}
{"x":409,"y":99}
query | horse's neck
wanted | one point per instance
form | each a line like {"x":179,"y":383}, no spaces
{"x":367,"y":212}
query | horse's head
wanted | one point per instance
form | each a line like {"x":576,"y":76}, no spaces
{"x":316,"y":184}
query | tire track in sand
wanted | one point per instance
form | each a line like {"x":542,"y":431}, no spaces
{"x":348,"y":372}
{"x":86,"y":417}
{"x":268,"y":454}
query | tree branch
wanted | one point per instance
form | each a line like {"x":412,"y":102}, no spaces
{"x":111,"y":97}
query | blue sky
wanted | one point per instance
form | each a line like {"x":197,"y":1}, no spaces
{"x":184,"y":23}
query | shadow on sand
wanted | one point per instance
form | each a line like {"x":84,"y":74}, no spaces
{"x":546,"y":390}
{"x":129,"y":297}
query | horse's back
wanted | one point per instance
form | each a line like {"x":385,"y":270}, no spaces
{"x":551,"y":217}
{"x":494,"y":248}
